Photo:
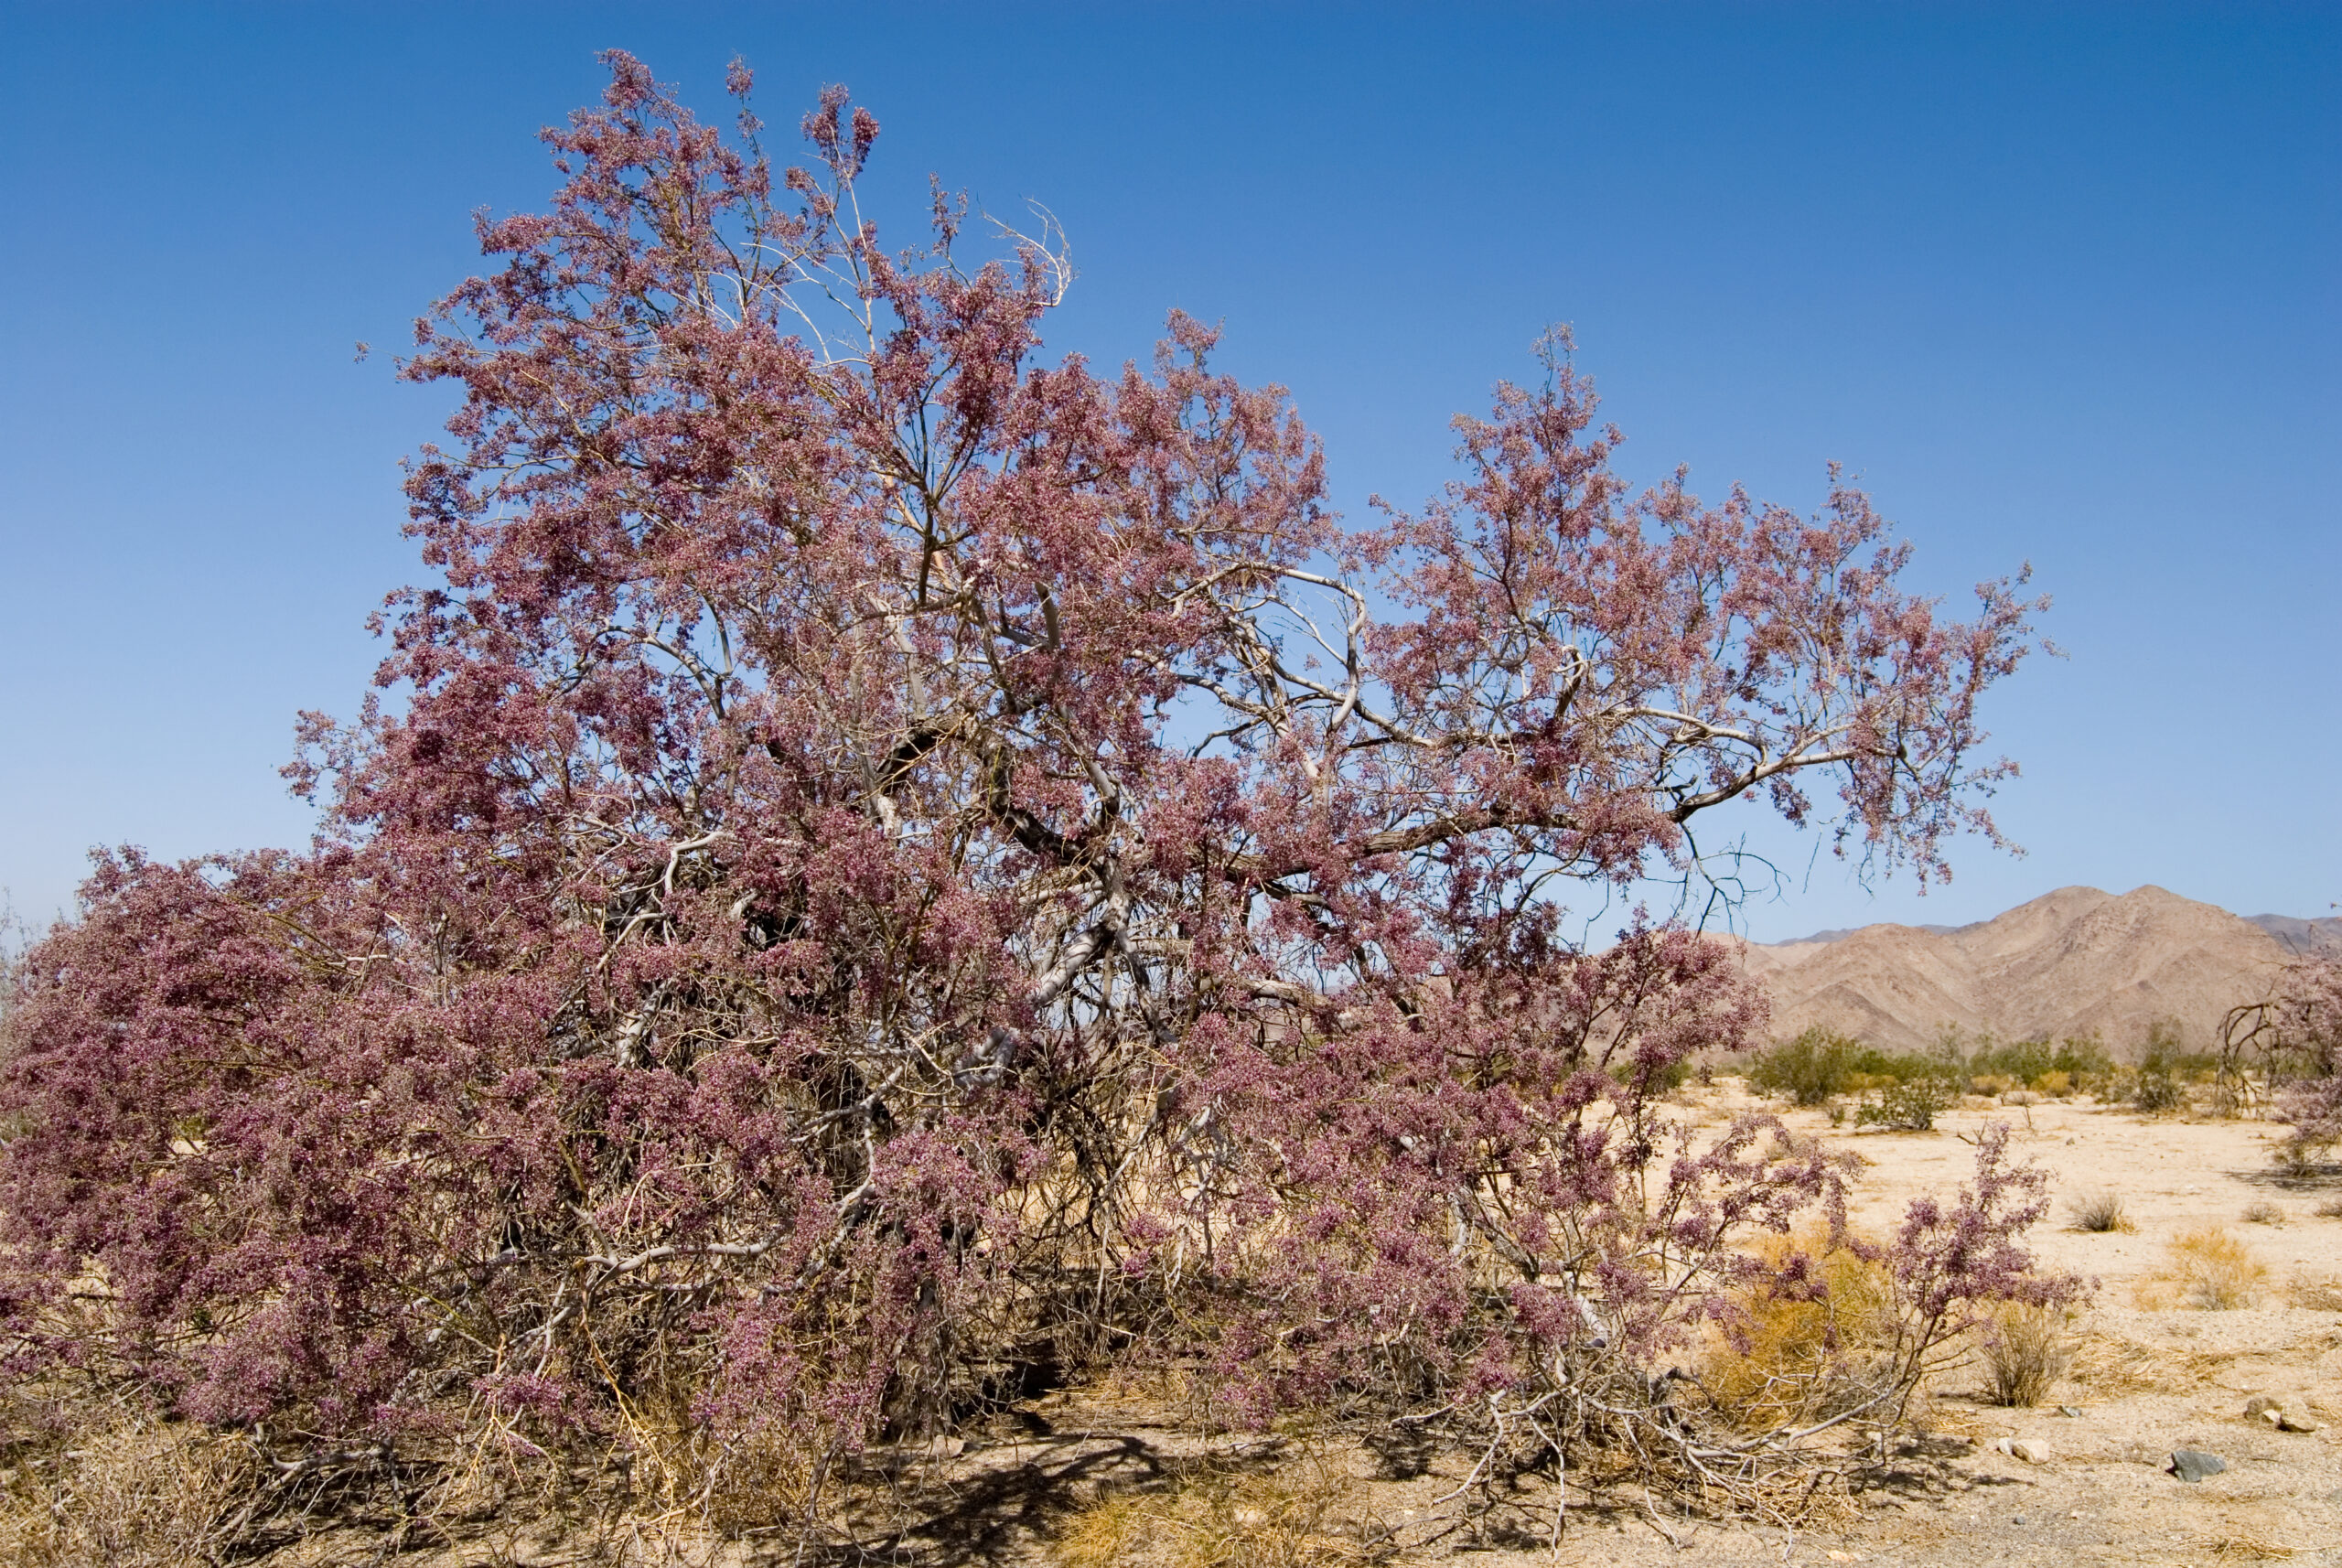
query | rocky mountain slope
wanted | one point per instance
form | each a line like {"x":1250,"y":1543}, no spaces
{"x":2069,"y":963}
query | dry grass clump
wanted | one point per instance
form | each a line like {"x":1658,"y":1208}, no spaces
{"x":2111,"y":1367}
{"x":2024,"y":1354}
{"x":2235,"y":1544}
{"x":2099,"y":1211}
{"x":2318,"y":1292}
{"x":1212,"y":1518}
{"x":684,"y":1479}
{"x":2263,"y":1213}
{"x":2208,"y":1270}
{"x":1799,"y":1358}
{"x":2330,"y":1209}
{"x":141,"y":1495}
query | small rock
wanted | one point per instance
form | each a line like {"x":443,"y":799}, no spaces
{"x":2193,"y":1465}
{"x":2004,"y":1446}
{"x":2032,"y":1450}
{"x":2071,"y":1411}
{"x":2283,"y":1413}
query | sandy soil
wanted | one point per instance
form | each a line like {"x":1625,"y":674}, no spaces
{"x":2102,"y":1497}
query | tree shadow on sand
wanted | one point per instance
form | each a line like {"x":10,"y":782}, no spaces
{"x":997,"y":1508}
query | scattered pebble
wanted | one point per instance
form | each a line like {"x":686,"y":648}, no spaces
{"x":2193,"y":1465}
{"x":2281,"y":1414}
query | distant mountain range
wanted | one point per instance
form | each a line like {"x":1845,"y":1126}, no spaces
{"x":2303,"y":936}
{"x":2072,"y":962}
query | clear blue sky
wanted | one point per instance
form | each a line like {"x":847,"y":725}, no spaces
{"x":2059,"y":283}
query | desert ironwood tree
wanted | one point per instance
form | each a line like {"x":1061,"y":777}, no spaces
{"x":882,"y":867}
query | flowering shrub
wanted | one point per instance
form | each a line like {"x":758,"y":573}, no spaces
{"x":881,"y":869}
{"x":2289,"y":1046}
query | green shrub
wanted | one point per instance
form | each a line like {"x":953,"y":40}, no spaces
{"x":2020,"y":1061}
{"x":2159,"y":1084}
{"x":2085,"y":1063}
{"x":1911,"y":1105}
{"x":1819,"y":1067}
{"x":1812,"y":1069}
{"x":2167,"y":1056}
{"x":2155,"y":1092}
{"x":1665,"y":1080}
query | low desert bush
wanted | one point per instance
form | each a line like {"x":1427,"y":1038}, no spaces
{"x":2167,"y":1070}
{"x":2168,"y":1050}
{"x":2208,"y":1270}
{"x":2153,"y":1092}
{"x":1903,"y":1090}
{"x":1909,"y":1106}
{"x":2099,"y":1211}
{"x":2263,"y":1213}
{"x":1815,"y":1068}
{"x":1662,"y":1079}
{"x":2019,"y":1061}
{"x":2068,"y":1067}
{"x":2330,"y":1209}
{"x":2024,"y":1353}
{"x":1818,"y":1068}
{"x":2319,"y":1292}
